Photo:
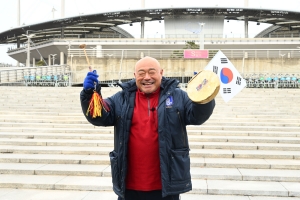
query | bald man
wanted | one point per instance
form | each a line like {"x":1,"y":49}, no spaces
{"x":150,"y":159}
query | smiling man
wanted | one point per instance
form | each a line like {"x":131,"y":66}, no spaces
{"x":148,"y":75}
{"x":150,"y":159}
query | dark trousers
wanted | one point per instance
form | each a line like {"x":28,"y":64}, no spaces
{"x":151,"y":195}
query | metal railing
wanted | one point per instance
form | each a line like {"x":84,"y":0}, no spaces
{"x":6,"y":65}
{"x":172,"y":39}
{"x":253,"y":80}
{"x":179,"y":53}
{"x":36,"y":75}
{"x":60,"y":76}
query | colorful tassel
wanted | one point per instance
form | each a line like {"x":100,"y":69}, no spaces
{"x":96,"y":105}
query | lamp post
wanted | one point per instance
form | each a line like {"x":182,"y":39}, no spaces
{"x":71,"y":60}
{"x":282,"y":55}
{"x":201,"y":45}
{"x":53,"y":58}
{"x":28,"y":47}
{"x":69,"y":44}
{"x":112,"y":80}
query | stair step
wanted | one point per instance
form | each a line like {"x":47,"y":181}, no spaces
{"x":211,"y":187}
{"x":196,"y":172}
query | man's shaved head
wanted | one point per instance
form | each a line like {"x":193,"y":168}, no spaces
{"x":148,"y":74}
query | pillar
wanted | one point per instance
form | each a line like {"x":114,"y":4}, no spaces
{"x":246,"y":26}
{"x":18,"y":14}
{"x":62,"y":62}
{"x":142,"y":27}
{"x":18,"y":42}
{"x":62,"y":8}
{"x":62,"y":32}
{"x":143,"y":3}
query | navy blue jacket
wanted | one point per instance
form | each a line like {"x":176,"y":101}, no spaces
{"x":175,"y":111}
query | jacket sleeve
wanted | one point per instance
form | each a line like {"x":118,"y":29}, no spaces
{"x":106,"y":119}
{"x":196,"y":114}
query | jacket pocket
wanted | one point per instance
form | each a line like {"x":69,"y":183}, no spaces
{"x":180,"y":165}
{"x":114,"y":169}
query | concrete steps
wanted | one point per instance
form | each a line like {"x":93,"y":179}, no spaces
{"x":248,"y":149}
{"x":31,"y":194}
{"x":201,"y":186}
{"x":238,"y":174}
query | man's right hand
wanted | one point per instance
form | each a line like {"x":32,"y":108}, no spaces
{"x":90,"y":80}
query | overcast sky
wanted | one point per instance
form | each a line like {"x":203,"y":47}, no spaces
{"x":33,"y":11}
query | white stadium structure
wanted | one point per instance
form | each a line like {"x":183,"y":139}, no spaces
{"x":113,"y":50}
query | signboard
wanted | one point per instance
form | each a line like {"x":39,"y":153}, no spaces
{"x":195,"y":53}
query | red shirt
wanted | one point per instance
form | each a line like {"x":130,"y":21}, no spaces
{"x":143,"y":149}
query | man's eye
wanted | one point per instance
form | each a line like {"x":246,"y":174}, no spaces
{"x":142,"y":74}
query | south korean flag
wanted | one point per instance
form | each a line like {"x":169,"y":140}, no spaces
{"x":231,"y":80}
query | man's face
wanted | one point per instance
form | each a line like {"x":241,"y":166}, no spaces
{"x":148,"y":75}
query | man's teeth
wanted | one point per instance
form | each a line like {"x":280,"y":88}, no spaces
{"x":147,"y":83}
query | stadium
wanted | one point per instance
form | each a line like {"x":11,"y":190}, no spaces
{"x":272,"y":54}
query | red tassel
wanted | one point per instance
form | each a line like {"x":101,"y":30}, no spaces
{"x":96,"y":105}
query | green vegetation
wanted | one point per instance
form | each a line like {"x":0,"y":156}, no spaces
{"x":40,"y":63}
{"x":188,"y":45}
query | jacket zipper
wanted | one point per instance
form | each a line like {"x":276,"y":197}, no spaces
{"x":182,"y":131}
{"x":148,"y":105}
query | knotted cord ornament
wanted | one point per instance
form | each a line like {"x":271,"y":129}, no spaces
{"x":96,"y":103}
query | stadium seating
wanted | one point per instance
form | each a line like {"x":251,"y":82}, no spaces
{"x":278,"y":80}
{"x":47,"y":78}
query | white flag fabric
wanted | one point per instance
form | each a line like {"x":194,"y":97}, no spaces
{"x":231,"y":80}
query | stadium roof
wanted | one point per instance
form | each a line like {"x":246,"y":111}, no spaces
{"x":106,"y":23}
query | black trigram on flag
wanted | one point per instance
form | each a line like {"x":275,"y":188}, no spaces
{"x":224,"y":60}
{"x":226,"y":90}
{"x":238,"y":80}
{"x":215,"y":69}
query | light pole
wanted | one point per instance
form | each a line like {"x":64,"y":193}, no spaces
{"x":53,"y":58}
{"x":28,"y":47}
{"x":53,"y":10}
{"x":71,"y":60}
{"x":112,"y":80}
{"x":69,"y":44}
{"x":244,"y":56}
{"x":282,"y":55}
{"x":201,"y":45}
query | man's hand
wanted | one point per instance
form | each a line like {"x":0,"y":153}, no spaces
{"x":90,"y":80}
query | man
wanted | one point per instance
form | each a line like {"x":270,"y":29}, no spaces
{"x":150,"y":159}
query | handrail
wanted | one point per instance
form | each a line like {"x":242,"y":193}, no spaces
{"x":17,"y":74}
{"x":170,"y":40}
{"x":178,"y":53}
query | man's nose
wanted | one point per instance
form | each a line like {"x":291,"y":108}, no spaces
{"x":147,"y":76}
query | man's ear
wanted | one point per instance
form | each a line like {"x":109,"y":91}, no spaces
{"x":161,"y":71}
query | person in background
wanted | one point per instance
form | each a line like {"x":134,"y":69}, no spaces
{"x":150,"y":159}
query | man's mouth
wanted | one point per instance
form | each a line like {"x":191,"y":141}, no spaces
{"x":147,"y":83}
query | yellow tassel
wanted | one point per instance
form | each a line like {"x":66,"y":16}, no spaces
{"x":96,"y":105}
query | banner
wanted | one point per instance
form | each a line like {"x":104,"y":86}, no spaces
{"x":195,"y":53}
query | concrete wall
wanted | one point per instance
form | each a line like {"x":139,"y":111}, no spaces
{"x":109,"y":68}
